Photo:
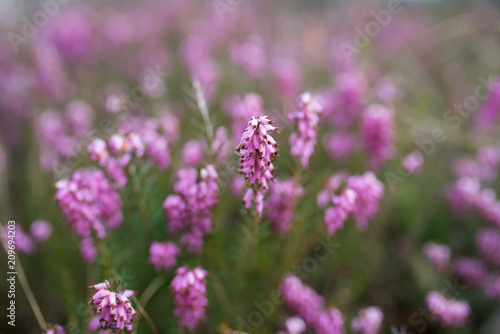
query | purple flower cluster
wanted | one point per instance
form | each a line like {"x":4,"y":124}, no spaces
{"x":489,"y":114}
{"x":309,"y":306}
{"x":250,"y":55}
{"x":437,"y":254}
{"x":370,"y":192}
{"x":368,"y":321}
{"x":89,"y":203}
{"x":113,"y":308}
{"x":56,"y":329}
{"x":163,"y":255}
{"x":257,"y":150}
{"x":306,"y":116}
{"x":340,"y":201}
{"x":377,"y":129}
{"x":449,"y":313}
{"x":294,"y":325}
{"x":488,"y":244}
{"x":413,"y":162}
{"x":190,"y":211}
{"x":60,"y":134}
{"x":281,"y":204}
{"x":471,"y":271}
{"x":189,"y":290}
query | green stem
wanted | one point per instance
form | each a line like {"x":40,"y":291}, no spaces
{"x":253,"y":242}
{"x":145,"y":315}
{"x":151,"y":289}
{"x":202,"y":105}
{"x":105,"y":259}
{"x":26,"y":288}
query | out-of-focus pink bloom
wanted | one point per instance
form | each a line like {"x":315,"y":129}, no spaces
{"x":465,"y":167}
{"x":88,"y":252}
{"x":330,"y":321}
{"x":413,"y":162}
{"x":492,"y":287}
{"x":449,"y":313}
{"x":377,"y":128}
{"x":23,"y":242}
{"x":190,"y":211}
{"x":306,"y":116}
{"x":368,"y":321}
{"x":281,"y":204}
{"x":40,"y":230}
{"x":243,"y":108}
{"x":163,"y":255}
{"x":189,"y":290}
{"x":461,"y":195}
{"x":340,"y":200}
{"x":89,"y":203}
{"x":471,"y":271}
{"x":489,"y":159}
{"x":386,"y":90}
{"x":220,"y":145}
{"x":294,"y":325}
{"x":56,"y":329}
{"x":437,"y":254}
{"x":250,"y":55}
{"x":114,"y":308}
{"x":339,"y":145}
{"x":488,"y":244}
{"x":287,"y":77}
{"x":301,"y":299}
{"x":80,"y":116}
{"x":237,"y":185}
{"x":489,"y":114}
{"x":192,"y":153}
{"x":488,"y":207}
{"x":370,"y":192}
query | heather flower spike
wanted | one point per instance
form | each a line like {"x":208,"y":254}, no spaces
{"x":113,"y":307}
{"x":257,"y":150}
{"x":189,"y":290}
{"x":303,"y":141}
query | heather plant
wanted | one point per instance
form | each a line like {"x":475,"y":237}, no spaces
{"x":251,"y":167}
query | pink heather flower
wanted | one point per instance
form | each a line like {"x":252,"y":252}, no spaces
{"x":492,"y":287}
{"x":88,"y":252}
{"x":465,"y":167}
{"x":89,"y":203}
{"x":437,"y":254}
{"x":368,"y":321}
{"x":348,"y":97}
{"x":258,"y":149}
{"x":339,"y":146}
{"x":56,"y":329}
{"x":449,"y":313}
{"x":488,"y":244}
{"x":79,"y":116}
{"x":461,"y":195}
{"x":488,"y":207}
{"x":306,"y":116}
{"x":40,"y":230}
{"x":192,"y":153}
{"x":340,"y":200}
{"x":250,"y":55}
{"x":413,"y":162}
{"x":377,"y":129}
{"x":114,"y":308}
{"x":471,"y":271}
{"x":294,"y":325}
{"x":281,"y":204}
{"x":330,"y":322}
{"x":189,"y":290}
{"x":489,"y":114}
{"x":369,"y":191}
{"x":163,"y":255}
{"x":301,"y":299}
{"x":190,"y":211}
{"x":489,"y":159}
{"x":24,"y":243}
{"x":220,"y":145}
{"x":237,"y":185}
{"x":287,"y":76}
{"x":243,"y":108}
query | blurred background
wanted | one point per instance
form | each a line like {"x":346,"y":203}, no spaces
{"x":72,"y":71}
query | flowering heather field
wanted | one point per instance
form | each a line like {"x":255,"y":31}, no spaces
{"x":237,"y":166}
